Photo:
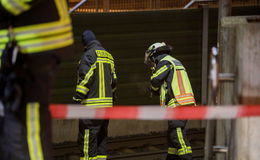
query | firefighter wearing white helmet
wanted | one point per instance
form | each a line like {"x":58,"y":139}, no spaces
{"x":170,"y":80}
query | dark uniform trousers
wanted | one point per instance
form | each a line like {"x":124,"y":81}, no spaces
{"x":26,"y":133}
{"x":179,"y":146}
{"x":92,"y":138}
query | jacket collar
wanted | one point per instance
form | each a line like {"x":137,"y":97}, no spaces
{"x":159,"y":57}
{"x":91,"y":44}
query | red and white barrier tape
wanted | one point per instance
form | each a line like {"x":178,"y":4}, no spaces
{"x":64,"y":111}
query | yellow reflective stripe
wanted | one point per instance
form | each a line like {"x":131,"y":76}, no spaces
{"x":99,"y":81}
{"x":82,"y":89}
{"x":182,"y":152}
{"x":86,"y":144}
{"x":101,"y":157}
{"x":105,"y":60}
{"x":103,"y":81}
{"x":180,"y":138}
{"x":112,"y":65}
{"x":75,"y":99}
{"x":49,"y":30}
{"x":100,"y":105}
{"x":90,"y":158}
{"x":88,"y":75}
{"x":173,"y":103}
{"x":33,"y":131}
{"x":102,"y":89}
{"x":155,"y":88}
{"x":2,"y":47}
{"x":46,"y":44}
{"x":172,"y":151}
{"x":59,"y":33}
{"x":160,"y":71}
{"x":163,"y":94}
{"x":103,"y":53}
{"x":3,"y":32}
{"x":114,"y":89}
{"x":4,"y":36}
{"x":184,"y":149}
{"x":97,"y":100}
{"x":15,"y":7}
{"x":103,"y":98}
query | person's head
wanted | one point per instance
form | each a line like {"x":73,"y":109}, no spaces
{"x":87,"y":37}
{"x":154,"y":50}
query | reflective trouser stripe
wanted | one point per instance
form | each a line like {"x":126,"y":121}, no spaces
{"x":173,"y":151}
{"x":86,"y":144}
{"x":101,"y":157}
{"x":184,"y":149}
{"x":33,"y":131}
{"x":94,"y":158}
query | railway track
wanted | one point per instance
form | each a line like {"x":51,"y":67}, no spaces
{"x":142,"y":147}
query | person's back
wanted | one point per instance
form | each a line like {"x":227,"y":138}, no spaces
{"x":95,"y":88}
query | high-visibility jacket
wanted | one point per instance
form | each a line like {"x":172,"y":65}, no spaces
{"x":37,"y":25}
{"x":171,"y":80}
{"x":96,"y":77}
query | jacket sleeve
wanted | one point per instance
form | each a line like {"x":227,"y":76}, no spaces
{"x":9,"y":8}
{"x":159,"y":75}
{"x":86,"y":69}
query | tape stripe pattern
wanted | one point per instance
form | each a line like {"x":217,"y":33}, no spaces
{"x":149,"y":112}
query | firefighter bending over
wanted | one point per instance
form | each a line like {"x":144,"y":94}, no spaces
{"x":95,"y":88}
{"x":170,"y":80}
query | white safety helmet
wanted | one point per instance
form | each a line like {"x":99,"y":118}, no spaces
{"x":152,"y":48}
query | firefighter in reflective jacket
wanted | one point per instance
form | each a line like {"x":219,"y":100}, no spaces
{"x":95,"y":88}
{"x":170,"y":80}
{"x":34,"y":36}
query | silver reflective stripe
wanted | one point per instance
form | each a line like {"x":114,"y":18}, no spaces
{"x":33,"y":129}
{"x":24,"y":47}
{"x":82,"y":90}
{"x":86,"y":144}
{"x":103,"y":100}
{"x":33,"y":31}
{"x":3,"y":36}
{"x":16,"y":6}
